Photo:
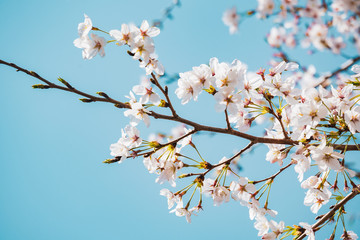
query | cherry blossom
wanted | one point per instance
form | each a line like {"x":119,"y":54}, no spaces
{"x":231,"y":19}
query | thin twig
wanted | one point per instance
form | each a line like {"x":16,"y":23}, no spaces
{"x":227,"y":120}
{"x":274,"y":175}
{"x":166,"y":94}
{"x":230,"y":159}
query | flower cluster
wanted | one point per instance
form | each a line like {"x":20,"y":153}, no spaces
{"x":90,"y":46}
{"x":138,"y":39}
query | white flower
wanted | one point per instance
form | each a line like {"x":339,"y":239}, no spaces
{"x":132,"y":136}
{"x":151,"y":163}
{"x":262,"y":224}
{"x":146,"y":31}
{"x":171,"y":197}
{"x":85,"y":27}
{"x":187,"y":140}
{"x":311,"y":182}
{"x":308,"y":230}
{"x":265,"y":7}
{"x":186,"y":89}
{"x":349,"y":235}
{"x":125,"y":36}
{"x":356,"y":69}
{"x":252,"y":81}
{"x":209,"y":186}
{"x":302,"y":161}
{"x":242,"y":190}
{"x":142,"y":49}
{"x":312,"y":113}
{"x":146,"y":93}
{"x":180,"y":211}
{"x":231,"y":19}
{"x":202,"y":76}
{"x":221,"y":194}
{"x":276,"y":36}
{"x":276,"y":228}
{"x":352,"y":119}
{"x":153,"y":65}
{"x":317,"y":35}
{"x":91,"y":47}
{"x":275,"y":153}
{"x":137,"y":113}
{"x":168,"y":173}
{"x":119,"y":149}
{"x":226,"y":100}
{"x":318,"y":193}
{"x":326,"y":158}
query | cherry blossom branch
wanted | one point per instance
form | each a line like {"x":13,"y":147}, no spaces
{"x":176,"y":118}
{"x":355,"y":191}
{"x":274,"y":175}
{"x":233,"y":132}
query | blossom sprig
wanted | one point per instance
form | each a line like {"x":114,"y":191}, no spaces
{"x":139,"y":39}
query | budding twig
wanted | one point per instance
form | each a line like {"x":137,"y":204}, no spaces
{"x":274,"y":175}
{"x":68,"y":88}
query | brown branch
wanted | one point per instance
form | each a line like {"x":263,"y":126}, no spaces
{"x":196,"y":126}
{"x":355,"y":191}
{"x":68,"y":87}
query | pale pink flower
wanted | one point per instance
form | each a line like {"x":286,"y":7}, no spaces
{"x":138,"y":113}
{"x":349,"y":235}
{"x":146,"y":92}
{"x":231,"y":19}
{"x":180,"y":211}
{"x":308,"y":230}
{"x":352,"y":119}
{"x":220,"y":194}
{"x":171,"y":197}
{"x":125,"y":36}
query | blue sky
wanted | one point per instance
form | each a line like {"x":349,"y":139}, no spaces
{"x":52,"y":179}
